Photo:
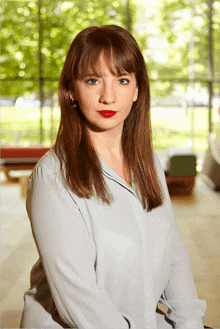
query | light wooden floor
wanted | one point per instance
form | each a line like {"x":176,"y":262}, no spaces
{"x":198,"y":217}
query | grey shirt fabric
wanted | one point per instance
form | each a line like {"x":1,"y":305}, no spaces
{"x":105,"y":266}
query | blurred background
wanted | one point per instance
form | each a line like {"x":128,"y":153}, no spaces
{"x":180,"y":41}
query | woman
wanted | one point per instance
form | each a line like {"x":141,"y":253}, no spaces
{"x":98,"y":203}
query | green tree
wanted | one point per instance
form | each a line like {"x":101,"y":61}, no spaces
{"x":60,"y":22}
{"x":176,"y":23}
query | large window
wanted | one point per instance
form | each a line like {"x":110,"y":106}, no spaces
{"x":179,"y":41}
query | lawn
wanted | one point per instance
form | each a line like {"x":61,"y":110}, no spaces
{"x":21,"y":126}
{"x":171,"y":127}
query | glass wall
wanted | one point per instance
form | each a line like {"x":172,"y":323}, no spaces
{"x":36,"y":36}
{"x":173,"y":36}
{"x":182,"y":52}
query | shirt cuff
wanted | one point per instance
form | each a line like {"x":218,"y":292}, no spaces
{"x":186,"y":313}
{"x":190,"y":325}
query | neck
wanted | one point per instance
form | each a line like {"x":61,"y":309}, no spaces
{"x":107,"y":143}
{"x":108,"y":146}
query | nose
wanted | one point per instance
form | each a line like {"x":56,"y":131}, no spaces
{"x":107,"y":94}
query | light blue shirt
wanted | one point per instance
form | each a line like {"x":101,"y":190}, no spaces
{"x":105,"y":266}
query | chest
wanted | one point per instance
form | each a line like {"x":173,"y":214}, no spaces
{"x":124,"y":234}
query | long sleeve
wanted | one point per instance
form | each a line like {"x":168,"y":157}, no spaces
{"x":68,"y":256}
{"x":180,"y":296}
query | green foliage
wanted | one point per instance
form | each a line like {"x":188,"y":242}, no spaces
{"x":178,"y":22}
{"x":169,"y":26}
{"x":61,"y":21}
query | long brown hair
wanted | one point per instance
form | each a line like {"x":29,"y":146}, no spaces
{"x":80,"y":164}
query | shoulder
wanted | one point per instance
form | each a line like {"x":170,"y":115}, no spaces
{"x":49,"y":161}
{"x":47,"y":170}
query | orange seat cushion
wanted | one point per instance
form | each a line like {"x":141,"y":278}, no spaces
{"x":8,"y":152}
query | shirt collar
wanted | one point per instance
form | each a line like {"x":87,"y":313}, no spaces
{"x":110,"y":173}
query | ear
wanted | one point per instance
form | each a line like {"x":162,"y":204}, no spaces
{"x":72,"y":95}
{"x":135,"y":94}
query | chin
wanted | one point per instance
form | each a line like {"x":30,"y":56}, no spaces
{"x":95,"y":128}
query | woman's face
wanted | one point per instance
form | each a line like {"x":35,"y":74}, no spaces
{"x":105,"y":100}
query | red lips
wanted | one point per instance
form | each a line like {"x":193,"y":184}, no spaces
{"x":107,"y":114}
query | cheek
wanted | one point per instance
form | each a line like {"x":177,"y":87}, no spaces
{"x":127,"y":101}
{"x":85,"y":103}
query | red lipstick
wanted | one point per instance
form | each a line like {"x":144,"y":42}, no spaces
{"x":107,"y":114}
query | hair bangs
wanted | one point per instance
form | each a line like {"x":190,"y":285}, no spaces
{"x":88,"y":62}
{"x":124,"y":61}
{"x":118,"y":60}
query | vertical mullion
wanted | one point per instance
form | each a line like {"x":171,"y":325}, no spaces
{"x":128,"y":18}
{"x":40,"y":72}
{"x":210,"y":66}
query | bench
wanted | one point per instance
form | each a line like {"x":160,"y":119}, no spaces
{"x":20,"y":158}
